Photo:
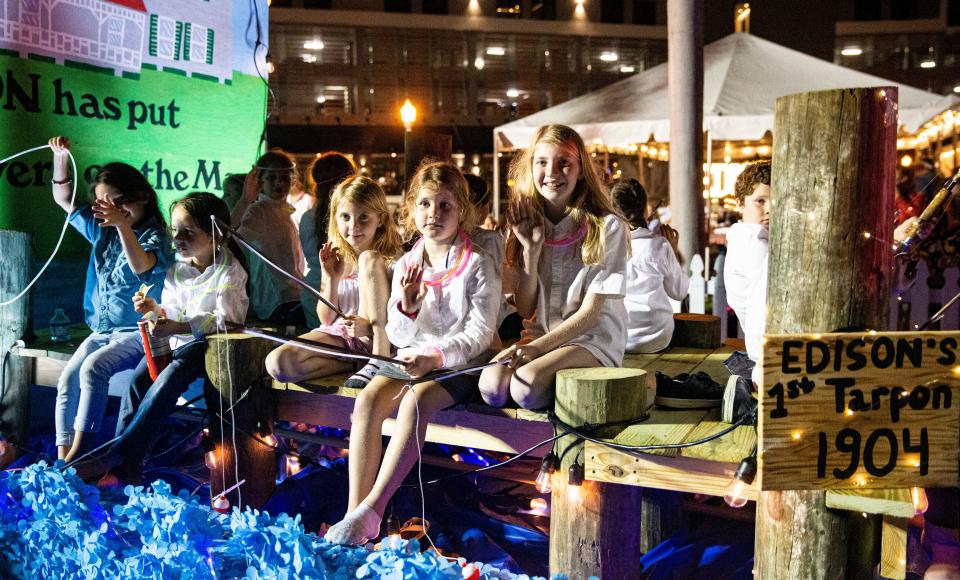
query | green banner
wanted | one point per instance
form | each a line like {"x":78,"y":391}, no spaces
{"x":172,"y":88}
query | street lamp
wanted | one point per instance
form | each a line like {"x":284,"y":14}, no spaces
{"x":408,"y":114}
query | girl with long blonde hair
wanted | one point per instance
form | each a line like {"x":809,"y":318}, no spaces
{"x":568,"y":249}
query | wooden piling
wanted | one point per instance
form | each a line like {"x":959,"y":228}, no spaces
{"x":829,"y":269}
{"x":597,"y":534}
{"x":235,"y":366}
{"x":16,"y":265}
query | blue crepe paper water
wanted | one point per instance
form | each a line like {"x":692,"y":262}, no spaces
{"x":53,"y":525}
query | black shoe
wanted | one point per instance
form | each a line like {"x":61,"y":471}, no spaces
{"x":738,"y":401}
{"x":697,"y":391}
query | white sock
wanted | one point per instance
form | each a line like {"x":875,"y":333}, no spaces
{"x":357,"y":527}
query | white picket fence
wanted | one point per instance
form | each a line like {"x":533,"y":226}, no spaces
{"x":909,"y":307}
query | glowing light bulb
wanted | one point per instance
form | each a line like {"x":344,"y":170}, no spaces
{"x":270,"y":440}
{"x":538,"y":504}
{"x":548,"y":467}
{"x":920,"y":502}
{"x":735,"y":494}
{"x":210,"y":459}
{"x":544,"y":482}
{"x":293,"y":465}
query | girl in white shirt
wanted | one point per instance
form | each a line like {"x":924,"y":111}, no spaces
{"x":654,"y":273}
{"x":442,"y":313}
{"x":568,"y":247}
{"x":356,"y":261}
{"x":204,"y":290}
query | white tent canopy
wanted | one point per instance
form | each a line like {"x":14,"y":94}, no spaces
{"x":743,"y":76}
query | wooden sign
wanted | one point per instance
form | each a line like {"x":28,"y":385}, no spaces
{"x":867,"y":410}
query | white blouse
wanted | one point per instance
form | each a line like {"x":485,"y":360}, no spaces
{"x":565,"y":281}
{"x":205,"y":300}
{"x":458,"y":319}
{"x":654,"y":276}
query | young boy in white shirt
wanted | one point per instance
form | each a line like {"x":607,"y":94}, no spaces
{"x":745,"y":268}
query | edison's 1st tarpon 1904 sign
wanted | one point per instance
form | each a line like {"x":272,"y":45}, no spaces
{"x":859,"y":410}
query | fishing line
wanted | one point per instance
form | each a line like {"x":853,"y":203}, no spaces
{"x":63,"y":230}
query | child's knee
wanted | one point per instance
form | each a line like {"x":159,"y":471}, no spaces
{"x":529,"y":390}
{"x":494,"y":389}
{"x":280,"y":365}
{"x":95,"y":375}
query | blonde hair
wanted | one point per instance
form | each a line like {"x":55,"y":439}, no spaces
{"x":436,"y":175}
{"x":590,"y":202}
{"x":364,"y":192}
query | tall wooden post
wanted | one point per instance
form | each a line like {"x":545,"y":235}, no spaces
{"x":829,"y":269}
{"x":16,"y":263}
{"x":595,"y":532}
{"x":235,"y":366}
{"x":685,"y":89}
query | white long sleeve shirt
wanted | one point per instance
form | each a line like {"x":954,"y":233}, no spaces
{"x":205,"y":300}
{"x":654,"y":276}
{"x":459,"y":318}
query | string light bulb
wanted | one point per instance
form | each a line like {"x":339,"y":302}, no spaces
{"x":920,"y":501}
{"x":575,"y":476}
{"x":548,"y":467}
{"x":393,"y":526}
{"x":735,"y":494}
{"x":4,"y":444}
{"x":209,"y":453}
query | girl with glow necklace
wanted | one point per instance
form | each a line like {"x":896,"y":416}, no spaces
{"x":442,"y":312}
{"x":568,"y":249}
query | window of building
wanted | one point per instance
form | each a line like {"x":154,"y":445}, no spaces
{"x":508,"y":8}
{"x":900,"y":10}
{"x":397,"y":5}
{"x":867,"y":10}
{"x":435,"y":7}
{"x":953,"y":12}
{"x":546,"y":9}
{"x":317,"y":4}
{"x":611,"y":11}
{"x":645,"y":12}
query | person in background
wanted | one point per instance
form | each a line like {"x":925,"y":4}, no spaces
{"x":262,"y":217}
{"x":654,"y":273}
{"x":325,"y":173}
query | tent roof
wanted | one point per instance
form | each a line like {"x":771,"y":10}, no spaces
{"x":742,"y":79}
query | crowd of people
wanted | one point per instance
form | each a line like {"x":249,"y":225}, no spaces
{"x":572,"y":277}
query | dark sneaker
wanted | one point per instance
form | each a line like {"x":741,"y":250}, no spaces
{"x":696,"y":391}
{"x":738,"y":401}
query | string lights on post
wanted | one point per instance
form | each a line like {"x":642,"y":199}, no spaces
{"x":735,"y":494}
{"x":548,"y":467}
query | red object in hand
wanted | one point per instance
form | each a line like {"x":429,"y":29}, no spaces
{"x":156,"y":351}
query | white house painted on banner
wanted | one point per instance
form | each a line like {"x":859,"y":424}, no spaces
{"x":192,"y":37}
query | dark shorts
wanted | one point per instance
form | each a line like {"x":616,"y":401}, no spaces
{"x":460,"y":387}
